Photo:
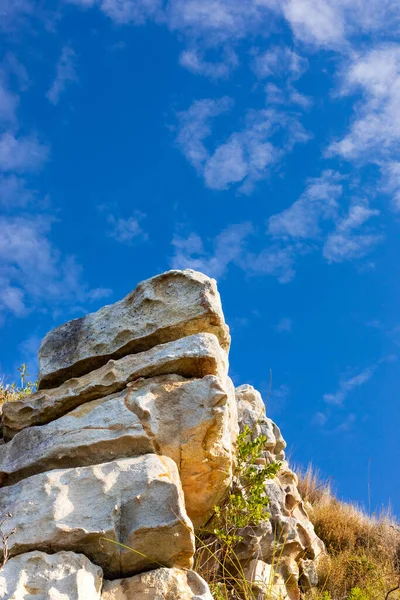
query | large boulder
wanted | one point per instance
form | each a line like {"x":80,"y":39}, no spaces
{"x":164,"y":308}
{"x":160,"y":584}
{"x":193,"y":356}
{"x":193,"y":421}
{"x":126,"y":516}
{"x":40,"y":576}
{"x":251,"y":413}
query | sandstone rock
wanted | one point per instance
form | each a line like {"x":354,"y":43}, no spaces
{"x":251,"y":412}
{"x":265,"y":580}
{"x":164,"y":308}
{"x":96,"y":432}
{"x":40,"y":576}
{"x":193,"y":356}
{"x":137,"y":502}
{"x":160,"y":584}
{"x":308,"y":574}
{"x":197,"y":430}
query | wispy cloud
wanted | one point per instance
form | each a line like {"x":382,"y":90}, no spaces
{"x":302,"y":219}
{"x":284,"y":326}
{"x":13,"y":13}
{"x":65,"y":74}
{"x":194,"y":60}
{"x":195,"y":127}
{"x":345,"y":243}
{"x":374,"y":134}
{"x":124,"y":12}
{"x":317,"y":220}
{"x":347,"y":384}
{"x":350,"y":381}
{"x":228,"y":247}
{"x":21,"y":154}
{"x":14,"y":191}
{"x":33,"y":274}
{"x":279,"y":62}
{"x":247,"y":155}
{"x":127,"y":230}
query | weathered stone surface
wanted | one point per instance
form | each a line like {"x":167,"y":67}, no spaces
{"x":164,"y":308}
{"x":160,"y":584}
{"x":137,"y":502}
{"x":193,"y":421}
{"x":251,"y":412}
{"x":289,"y":534}
{"x":40,"y":576}
{"x":96,"y":432}
{"x":265,"y":581}
{"x":193,"y":356}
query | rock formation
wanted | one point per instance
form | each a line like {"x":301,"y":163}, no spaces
{"x":110,"y":468}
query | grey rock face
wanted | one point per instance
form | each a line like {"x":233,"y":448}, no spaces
{"x":40,"y":576}
{"x":161,"y":584}
{"x":192,"y":421}
{"x":193,"y":356}
{"x":164,"y":308}
{"x":137,"y":502}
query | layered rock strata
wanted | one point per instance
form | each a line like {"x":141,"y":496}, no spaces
{"x":110,"y":468}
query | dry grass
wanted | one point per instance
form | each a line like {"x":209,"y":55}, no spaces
{"x":12,"y":392}
{"x":363,"y":551}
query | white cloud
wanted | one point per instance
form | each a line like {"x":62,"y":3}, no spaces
{"x":65,"y":74}
{"x":32,"y":272}
{"x":126,"y":230}
{"x":216,"y":21}
{"x":347,"y":384}
{"x":228,"y":247}
{"x":247,"y":155}
{"x":194,"y":60}
{"x":12,"y":12}
{"x":279,"y":62}
{"x":333,"y":23}
{"x":318,"y":201}
{"x":14,"y":192}
{"x":391,"y":181}
{"x":124,"y":12}
{"x":374,"y":134}
{"x":195,"y":127}
{"x":8,"y":103}
{"x":275,"y":260}
{"x":345,"y":243}
{"x":284,"y":326}
{"x":21,"y":154}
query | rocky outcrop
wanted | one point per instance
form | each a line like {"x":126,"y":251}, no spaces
{"x":161,"y":584}
{"x":167,"y":307}
{"x":192,"y":356}
{"x":283,"y":551}
{"x":39,"y":576}
{"x":195,"y":431}
{"x":137,"y":502}
{"x":126,"y":449}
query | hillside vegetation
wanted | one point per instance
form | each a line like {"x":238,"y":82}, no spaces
{"x":363,"y":561}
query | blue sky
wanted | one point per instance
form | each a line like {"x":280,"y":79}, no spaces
{"x":255,"y":140}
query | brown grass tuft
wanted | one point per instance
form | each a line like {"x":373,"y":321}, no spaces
{"x":363,"y":551}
